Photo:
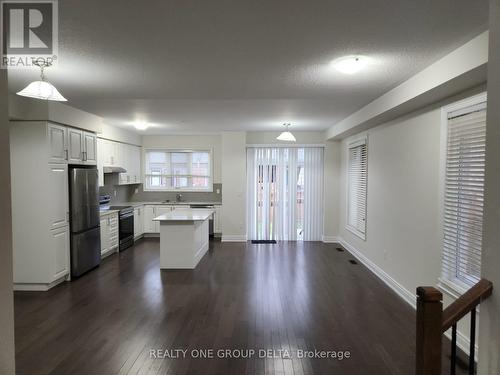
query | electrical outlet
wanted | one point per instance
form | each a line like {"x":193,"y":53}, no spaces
{"x":114,"y":193}
{"x":218,"y":191}
{"x":136,"y":190}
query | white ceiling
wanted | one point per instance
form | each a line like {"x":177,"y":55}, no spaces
{"x":203,"y":66}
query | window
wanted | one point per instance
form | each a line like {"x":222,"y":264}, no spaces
{"x":463,"y":196}
{"x":356,"y":188}
{"x":168,"y":170}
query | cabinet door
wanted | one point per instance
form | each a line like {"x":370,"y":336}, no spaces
{"x":138,"y":222}
{"x":104,"y":235}
{"x":113,"y":230}
{"x":59,"y":239}
{"x":58,"y":149}
{"x":57,"y":195}
{"x":100,"y":160}
{"x":75,"y":146}
{"x":149,"y":215}
{"x":136,"y":164}
{"x":90,"y":148}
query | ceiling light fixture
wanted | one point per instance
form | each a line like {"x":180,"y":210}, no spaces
{"x":42,"y":89}
{"x":350,"y":64}
{"x":286,"y":135}
{"x":141,"y":125}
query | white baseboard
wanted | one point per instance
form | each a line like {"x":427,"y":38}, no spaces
{"x":330,"y":239}
{"x":404,"y":293}
{"x":37,"y":287}
{"x":234,"y":238}
{"x":463,"y":341}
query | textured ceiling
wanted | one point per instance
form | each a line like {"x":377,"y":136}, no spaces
{"x":202,"y":66}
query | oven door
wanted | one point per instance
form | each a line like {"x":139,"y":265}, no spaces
{"x":126,"y":230}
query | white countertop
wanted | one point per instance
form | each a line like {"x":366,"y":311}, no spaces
{"x":171,"y":203}
{"x":185,"y":215}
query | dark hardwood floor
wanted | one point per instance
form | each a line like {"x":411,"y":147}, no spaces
{"x":289,"y":296}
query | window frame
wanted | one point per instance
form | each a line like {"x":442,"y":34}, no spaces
{"x":210,"y":187}
{"x":359,"y":141}
{"x":453,"y":286}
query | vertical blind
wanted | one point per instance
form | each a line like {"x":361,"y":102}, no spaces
{"x":356,"y":188}
{"x":464,"y":196}
{"x":285,"y":193}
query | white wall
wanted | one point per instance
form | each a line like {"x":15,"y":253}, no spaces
{"x":403,"y":243}
{"x":6,"y":296}
{"x":117,"y":134}
{"x":331,"y":200}
{"x":234,"y":186}
{"x":403,"y":216}
{"x":190,"y":141}
{"x":489,"y":360}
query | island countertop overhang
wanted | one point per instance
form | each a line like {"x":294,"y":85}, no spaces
{"x":185,"y":215}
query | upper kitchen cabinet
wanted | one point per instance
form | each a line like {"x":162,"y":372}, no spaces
{"x":71,"y":145}
{"x":90,"y":148}
{"x":117,"y":154}
{"x":58,"y":148}
{"x":75,"y":146}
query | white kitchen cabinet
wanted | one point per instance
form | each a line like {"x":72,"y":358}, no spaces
{"x":138,"y":221}
{"x":57,"y":138}
{"x":59,"y":243}
{"x":100,"y":160}
{"x":109,"y":233}
{"x":104,"y":235}
{"x":124,"y":157}
{"x":90,"y":148}
{"x":113,"y":231}
{"x":149,"y":215}
{"x":57,"y":196}
{"x":39,"y":157}
{"x":218,"y":219}
{"x":75,"y":146}
{"x":150,"y":212}
{"x":135,"y":164}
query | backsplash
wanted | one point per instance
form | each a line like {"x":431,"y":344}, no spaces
{"x":188,"y":196}
{"x":126,"y":193}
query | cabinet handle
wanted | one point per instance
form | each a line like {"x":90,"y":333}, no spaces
{"x":66,"y":152}
{"x":112,"y":160}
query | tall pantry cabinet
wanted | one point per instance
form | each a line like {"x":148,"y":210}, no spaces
{"x":40,"y":154}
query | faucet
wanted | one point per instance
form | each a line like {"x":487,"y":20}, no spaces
{"x":178,"y":197}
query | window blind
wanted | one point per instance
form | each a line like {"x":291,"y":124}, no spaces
{"x":178,"y":170}
{"x":464,"y":196}
{"x":356,"y":190}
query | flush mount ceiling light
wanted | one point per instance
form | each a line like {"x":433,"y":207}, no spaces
{"x":42,"y":89}
{"x":286,"y":135}
{"x":141,"y":125}
{"x":350,"y":64}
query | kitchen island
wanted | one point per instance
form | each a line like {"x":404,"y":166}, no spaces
{"x":184,"y":236}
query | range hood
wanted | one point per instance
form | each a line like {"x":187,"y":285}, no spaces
{"x":113,"y":170}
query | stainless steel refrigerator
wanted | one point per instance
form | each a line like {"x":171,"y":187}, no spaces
{"x":84,"y":220}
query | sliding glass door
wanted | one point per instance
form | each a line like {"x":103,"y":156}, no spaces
{"x":284,"y":198}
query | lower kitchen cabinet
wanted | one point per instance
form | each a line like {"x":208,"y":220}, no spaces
{"x":138,"y":221}
{"x":152,"y":211}
{"x":59,"y":241}
{"x":109,"y":233}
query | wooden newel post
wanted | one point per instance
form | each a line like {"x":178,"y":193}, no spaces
{"x":429,"y":331}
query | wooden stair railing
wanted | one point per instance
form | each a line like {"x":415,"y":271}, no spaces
{"x":433,"y":322}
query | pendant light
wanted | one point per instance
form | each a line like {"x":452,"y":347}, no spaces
{"x":42,"y":89}
{"x":286,"y":135}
